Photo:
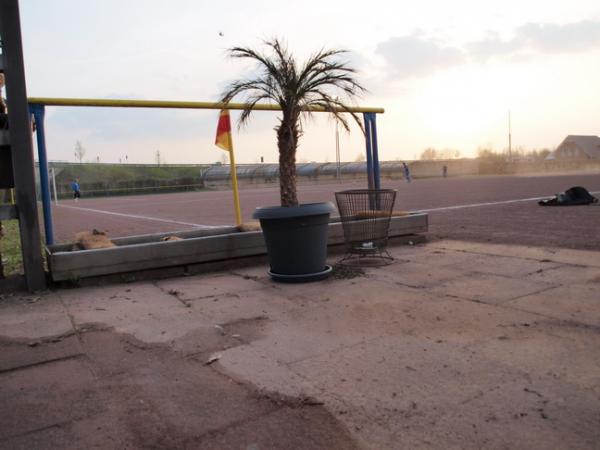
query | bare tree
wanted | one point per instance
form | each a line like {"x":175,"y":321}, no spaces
{"x":429,"y":154}
{"x":79,"y":151}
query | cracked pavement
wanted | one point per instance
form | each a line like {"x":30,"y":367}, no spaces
{"x":454,"y":345}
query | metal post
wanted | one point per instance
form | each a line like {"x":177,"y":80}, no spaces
{"x":54,"y":186}
{"x":21,"y":144}
{"x":234,"y":185}
{"x":367,"y":120}
{"x":376,"y":172}
{"x":38,"y":113}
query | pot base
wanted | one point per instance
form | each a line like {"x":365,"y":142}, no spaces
{"x":304,"y":278}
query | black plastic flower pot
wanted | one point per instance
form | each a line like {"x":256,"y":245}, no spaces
{"x":296,"y":239}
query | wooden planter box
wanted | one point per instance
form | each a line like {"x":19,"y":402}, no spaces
{"x":138,"y":253}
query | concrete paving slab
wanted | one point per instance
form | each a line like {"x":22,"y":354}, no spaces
{"x":99,"y":431}
{"x":541,"y":414}
{"x":265,"y":371}
{"x":352,"y":289}
{"x":140,"y":309}
{"x":431,"y":394}
{"x":488,"y":288}
{"x":546,"y":347}
{"x":554,"y":254}
{"x":459,"y":321}
{"x":265,"y":302}
{"x":573,"y":303}
{"x":507,"y":266}
{"x":455,"y":345}
{"x":33,"y":316}
{"x":211,"y":285}
{"x":342,"y":315}
{"x":411,"y":274}
{"x":567,"y":274}
{"x":311,"y":432}
{"x":28,"y":352}
{"x":46,"y":396}
{"x":439,"y":257}
{"x":386,"y":373}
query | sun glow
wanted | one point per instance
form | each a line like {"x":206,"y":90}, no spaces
{"x":461,"y":104}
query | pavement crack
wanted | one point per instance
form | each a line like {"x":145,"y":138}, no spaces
{"x":531,"y":391}
{"x":547,"y":288}
{"x":38,"y":430}
{"x":41,"y":363}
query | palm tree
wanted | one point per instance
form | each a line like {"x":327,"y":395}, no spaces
{"x":298,"y":90}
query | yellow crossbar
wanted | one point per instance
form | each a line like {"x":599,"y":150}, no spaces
{"x":175,"y":104}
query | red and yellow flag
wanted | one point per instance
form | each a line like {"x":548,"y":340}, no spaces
{"x":223,"y":139}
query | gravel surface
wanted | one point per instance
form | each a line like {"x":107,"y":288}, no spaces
{"x":520,"y":223}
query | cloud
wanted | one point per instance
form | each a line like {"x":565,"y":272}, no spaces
{"x":571,"y":37}
{"x":539,"y":38}
{"x":414,"y":55}
{"x":418,"y":55}
{"x":492,"y":45}
{"x":113,"y":124}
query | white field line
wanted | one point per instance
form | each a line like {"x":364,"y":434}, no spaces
{"x":135,"y":216}
{"x":476,"y":205}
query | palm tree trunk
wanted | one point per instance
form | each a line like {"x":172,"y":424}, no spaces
{"x":287,"y":141}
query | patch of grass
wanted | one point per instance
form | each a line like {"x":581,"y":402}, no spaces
{"x":127,"y":179}
{"x":10,"y":248}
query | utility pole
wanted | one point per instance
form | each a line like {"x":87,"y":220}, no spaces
{"x":338,"y":170}
{"x":509,"y":139}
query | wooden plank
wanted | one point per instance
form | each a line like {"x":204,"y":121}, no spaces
{"x":8,"y":212}
{"x":21,"y":144}
{"x":155,"y":237}
{"x":68,"y":265}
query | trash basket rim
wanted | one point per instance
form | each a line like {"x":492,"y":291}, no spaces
{"x":365,"y":191}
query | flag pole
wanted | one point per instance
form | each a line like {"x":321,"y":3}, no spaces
{"x":224,"y":140}
{"x":234,"y":183}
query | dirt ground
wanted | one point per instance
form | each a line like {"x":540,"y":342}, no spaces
{"x":520,"y":223}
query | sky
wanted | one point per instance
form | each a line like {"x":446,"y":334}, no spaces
{"x":447,"y":73}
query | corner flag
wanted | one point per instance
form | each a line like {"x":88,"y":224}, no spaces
{"x":223,"y":139}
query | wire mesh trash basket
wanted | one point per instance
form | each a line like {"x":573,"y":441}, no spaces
{"x":366,"y":215}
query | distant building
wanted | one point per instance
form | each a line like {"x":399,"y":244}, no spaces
{"x":578,"y":147}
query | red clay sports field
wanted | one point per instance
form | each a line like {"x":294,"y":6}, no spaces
{"x":492,"y":208}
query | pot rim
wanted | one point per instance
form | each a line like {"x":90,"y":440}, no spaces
{"x":286,"y":212}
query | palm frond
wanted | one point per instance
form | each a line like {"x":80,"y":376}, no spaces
{"x":318,"y":83}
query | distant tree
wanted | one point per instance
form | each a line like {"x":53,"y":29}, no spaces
{"x":491,"y":162}
{"x":80,"y":151}
{"x":360,"y":157}
{"x":448,"y":153}
{"x":429,"y":154}
{"x":157,"y":157}
{"x":544,"y":153}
